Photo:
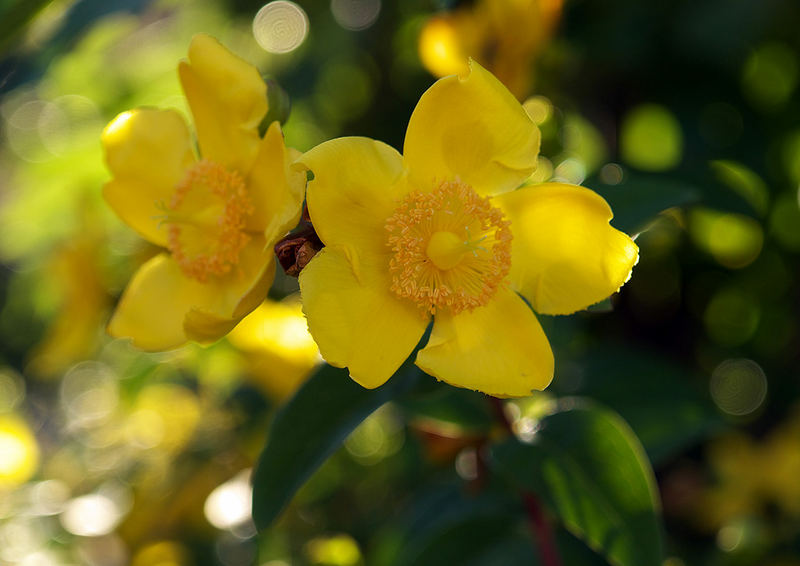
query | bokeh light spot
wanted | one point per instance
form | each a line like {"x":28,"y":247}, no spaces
{"x":543,"y":171}
{"x":770,"y":75}
{"x":379,"y":436}
{"x":89,"y":393}
{"x":611,"y":174}
{"x":355,"y":15}
{"x":539,"y":108}
{"x":280,"y":26}
{"x":731,"y":317}
{"x":48,"y":497}
{"x":571,"y":170}
{"x":91,"y":515}
{"x":734,"y":240}
{"x":784,"y":221}
{"x":166,"y":414}
{"x":584,"y":142}
{"x":467,"y":464}
{"x":229,"y":505}
{"x":336,"y":550}
{"x":651,"y":138}
{"x":730,"y":537}
{"x":791,"y":156}
{"x":738,"y":386}
{"x":344,"y":90}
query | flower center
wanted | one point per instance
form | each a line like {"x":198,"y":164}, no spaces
{"x":451,"y":248}
{"x":206,"y":217}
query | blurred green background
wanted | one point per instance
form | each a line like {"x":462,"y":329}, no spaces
{"x":685,"y":115}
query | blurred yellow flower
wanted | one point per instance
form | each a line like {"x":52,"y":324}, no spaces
{"x":20,"y":452}
{"x":439,"y":231}
{"x":503,"y":35}
{"x":218,"y":216}
{"x":280,"y":352}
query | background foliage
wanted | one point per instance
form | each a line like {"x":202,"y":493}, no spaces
{"x":671,"y":433}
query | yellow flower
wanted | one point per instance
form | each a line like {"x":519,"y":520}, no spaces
{"x":217,"y":216}
{"x":279,"y":351}
{"x":439,"y":231}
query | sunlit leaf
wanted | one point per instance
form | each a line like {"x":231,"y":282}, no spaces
{"x":588,"y":467}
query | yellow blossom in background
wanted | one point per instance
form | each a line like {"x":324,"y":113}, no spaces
{"x":279,"y":351}
{"x":19,"y":452}
{"x":503,"y":35}
{"x":217,"y":216}
{"x":749,"y":474}
{"x":440,"y":232}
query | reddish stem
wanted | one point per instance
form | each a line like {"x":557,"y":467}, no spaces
{"x":541,"y":531}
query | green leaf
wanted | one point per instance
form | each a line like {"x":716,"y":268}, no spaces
{"x":309,"y":428}
{"x":588,"y":467}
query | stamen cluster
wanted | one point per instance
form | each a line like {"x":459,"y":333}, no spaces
{"x":207,"y":217}
{"x":482,"y":250}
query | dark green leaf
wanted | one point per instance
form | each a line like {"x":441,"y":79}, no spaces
{"x":654,"y":396}
{"x":468,"y":411}
{"x":309,"y":428}
{"x":588,"y":467}
{"x":279,"y":105}
{"x":447,"y":525}
{"x":640,"y":198}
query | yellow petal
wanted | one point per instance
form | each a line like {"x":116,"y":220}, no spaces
{"x":162,"y":308}
{"x":357,"y":183}
{"x":147,"y":152}
{"x":565,"y":256}
{"x":471,"y":128}
{"x":230,"y":298}
{"x":228,"y":99}
{"x":275,"y":188}
{"x":355,"y":319}
{"x":498,"y":349}
{"x":153,"y":306}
